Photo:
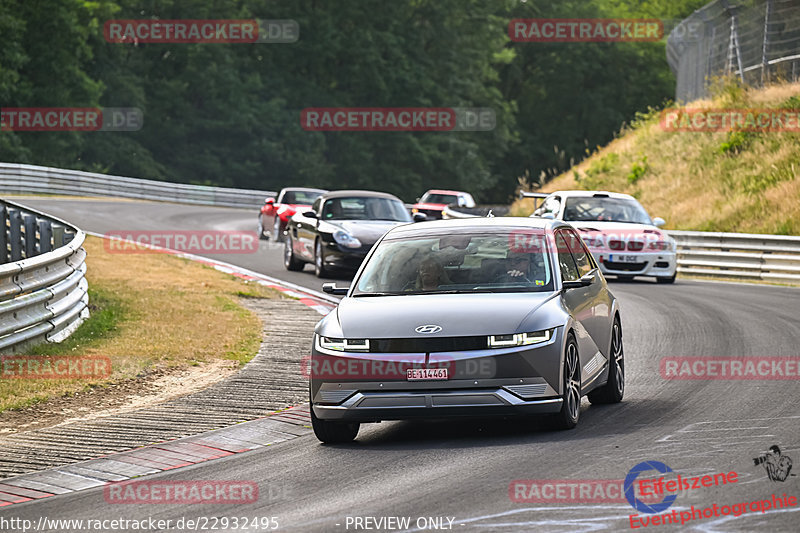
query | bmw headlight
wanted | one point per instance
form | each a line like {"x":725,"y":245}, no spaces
{"x":346,"y":240}
{"x":520,"y":339}
{"x":343,"y":345}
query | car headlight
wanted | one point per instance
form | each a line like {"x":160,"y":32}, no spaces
{"x":344,"y":345}
{"x":520,"y":339}
{"x":663,"y":246}
{"x":346,"y":240}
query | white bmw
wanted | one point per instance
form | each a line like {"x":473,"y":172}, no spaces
{"x":623,"y":238}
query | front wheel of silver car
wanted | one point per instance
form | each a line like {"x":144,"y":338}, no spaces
{"x":331,"y":432}
{"x":614,"y":389}
{"x":567,"y":418}
{"x":670,"y":279}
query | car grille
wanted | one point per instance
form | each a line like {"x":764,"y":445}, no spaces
{"x":635,"y":246}
{"x":434,"y":344}
{"x":627,"y":267}
{"x":616,"y":245}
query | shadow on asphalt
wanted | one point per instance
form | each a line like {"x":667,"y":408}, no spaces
{"x":596,"y":421}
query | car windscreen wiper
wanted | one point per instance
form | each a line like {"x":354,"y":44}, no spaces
{"x":366,"y":294}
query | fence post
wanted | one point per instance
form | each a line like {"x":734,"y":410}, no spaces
{"x":30,"y":235}
{"x":764,"y":60}
{"x":58,"y":235}
{"x":45,"y":236}
{"x":15,"y":234}
{"x":3,"y":234}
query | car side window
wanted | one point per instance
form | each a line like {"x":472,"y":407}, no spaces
{"x":567,"y":265}
{"x":582,"y":258}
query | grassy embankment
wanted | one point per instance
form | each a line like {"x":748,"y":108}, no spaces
{"x":149,"y":311}
{"x":720,"y":181}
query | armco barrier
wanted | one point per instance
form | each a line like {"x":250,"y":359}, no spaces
{"x":26,"y":179}
{"x":739,"y":255}
{"x":774,"y":258}
{"x":43,"y":289}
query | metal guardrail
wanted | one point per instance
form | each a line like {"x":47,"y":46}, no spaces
{"x":43,"y":289}
{"x":739,"y":255}
{"x":26,"y":179}
{"x":774,"y":258}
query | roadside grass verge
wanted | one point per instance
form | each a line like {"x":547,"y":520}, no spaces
{"x":717,"y":181}
{"x":149,"y":311}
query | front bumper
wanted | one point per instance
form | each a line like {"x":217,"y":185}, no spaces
{"x":508,"y":381}
{"x":657,"y":264}
{"x":342,"y":258}
{"x":377,"y":406}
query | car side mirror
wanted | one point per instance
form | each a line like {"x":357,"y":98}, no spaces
{"x":309,"y":214}
{"x":659,"y":222}
{"x":269,"y":201}
{"x":585,"y":281}
{"x":420,"y":217}
{"x":417,"y":200}
{"x":331,"y":288}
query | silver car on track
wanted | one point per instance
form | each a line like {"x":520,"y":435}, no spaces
{"x":470,"y":317}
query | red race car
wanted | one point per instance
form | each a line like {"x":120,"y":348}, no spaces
{"x":276,"y":213}
{"x":434,"y":201}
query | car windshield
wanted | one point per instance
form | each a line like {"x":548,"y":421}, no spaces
{"x":300,"y":197}
{"x":511,"y":261}
{"x":437,"y":198}
{"x":364,"y":208}
{"x":591,"y":208}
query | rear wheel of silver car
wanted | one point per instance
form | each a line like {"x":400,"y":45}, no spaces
{"x":331,"y":432}
{"x":567,"y":418}
{"x":276,"y":230}
{"x":261,"y":230}
{"x":289,"y":260}
{"x":319,"y":260}
{"x":614,"y":389}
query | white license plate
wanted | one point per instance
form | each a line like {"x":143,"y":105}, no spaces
{"x":615,"y":258}
{"x":426,"y":374}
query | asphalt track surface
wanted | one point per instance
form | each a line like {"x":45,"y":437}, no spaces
{"x":463,"y":469}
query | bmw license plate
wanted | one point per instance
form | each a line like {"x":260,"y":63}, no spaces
{"x":616,"y":258}
{"x":426,"y":374}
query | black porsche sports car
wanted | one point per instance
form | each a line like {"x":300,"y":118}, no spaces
{"x":340,"y":228}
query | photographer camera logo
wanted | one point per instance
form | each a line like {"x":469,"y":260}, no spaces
{"x":777,"y":465}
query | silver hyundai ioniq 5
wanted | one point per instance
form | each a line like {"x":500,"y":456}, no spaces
{"x":470,"y":317}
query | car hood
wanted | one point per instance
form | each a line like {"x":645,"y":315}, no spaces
{"x":622,"y":229}
{"x":457,"y":314}
{"x":366,"y":231}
